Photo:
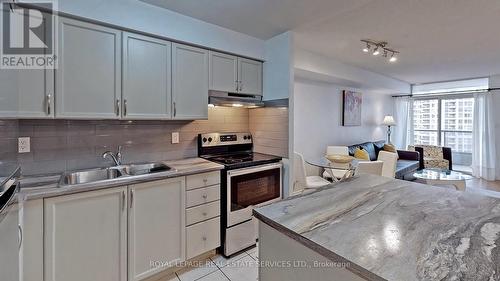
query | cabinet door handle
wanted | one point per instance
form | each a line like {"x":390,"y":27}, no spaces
{"x":20,"y":232}
{"x":117,"y":107}
{"x":237,"y":85}
{"x":123,"y":201}
{"x":204,"y":196}
{"x":125,"y":107}
{"x":241,"y":86}
{"x":48,"y":104}
{"x":175,"y":109}
{"x":131,"y":198}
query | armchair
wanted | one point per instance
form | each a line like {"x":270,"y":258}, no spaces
{"x":432,"y":156}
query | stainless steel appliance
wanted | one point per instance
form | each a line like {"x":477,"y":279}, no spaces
{"x":249,"y":180}
{"x":234,"y":99}
{"x":10,"y":223}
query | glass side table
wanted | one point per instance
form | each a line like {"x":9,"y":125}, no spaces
{"x":443,"y":177}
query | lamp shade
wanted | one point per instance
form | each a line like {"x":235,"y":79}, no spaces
{"x":389,"y":120}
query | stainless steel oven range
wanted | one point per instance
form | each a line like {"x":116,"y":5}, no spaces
{"x":249,"y":180}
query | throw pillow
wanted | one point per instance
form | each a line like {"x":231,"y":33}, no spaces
{"x":390,"y":148}
{"x":361,"y":154}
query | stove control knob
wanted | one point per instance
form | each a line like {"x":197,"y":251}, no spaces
{"x":244,"y":137}
{"x":249,"y":137}
{"x":204,"y":139}
{"x":209,"y":139}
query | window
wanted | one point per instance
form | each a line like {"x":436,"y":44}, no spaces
{"x":444,"y":122}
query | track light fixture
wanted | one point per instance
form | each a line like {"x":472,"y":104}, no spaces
{"x":378,"y":47}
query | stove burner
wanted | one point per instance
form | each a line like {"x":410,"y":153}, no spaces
{"x":233,"y":159}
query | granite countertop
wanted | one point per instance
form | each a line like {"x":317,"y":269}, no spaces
{"x":395,"y":230}
{"x":47,"y":186}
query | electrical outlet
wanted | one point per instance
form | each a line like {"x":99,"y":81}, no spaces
{"x":23,"y":145}
{"x":175,"y":137}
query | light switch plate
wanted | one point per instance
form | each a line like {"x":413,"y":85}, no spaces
{"x":23,"y":145}
{"x":175,"y":137}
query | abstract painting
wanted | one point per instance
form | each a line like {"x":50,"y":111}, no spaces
{"x":352,"y":102}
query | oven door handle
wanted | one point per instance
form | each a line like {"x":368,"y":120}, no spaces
{"x":255,"y":169}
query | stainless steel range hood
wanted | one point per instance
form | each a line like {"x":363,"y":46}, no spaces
{"x":218,"y":98}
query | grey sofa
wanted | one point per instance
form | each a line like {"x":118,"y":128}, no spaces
{"x":408,"y":163}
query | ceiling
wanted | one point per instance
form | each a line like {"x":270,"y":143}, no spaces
{"x":439,"y":40}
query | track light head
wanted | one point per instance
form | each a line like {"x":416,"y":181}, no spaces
{"x":376,"y":52}
{"x":367,"y":48}
{"x":393,"y":58}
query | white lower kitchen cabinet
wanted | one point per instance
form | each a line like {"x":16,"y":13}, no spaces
{"x":203,"y":237}
{"x":21,"y":242}
{"x":156,"y":227}
{"x":85,"y":236}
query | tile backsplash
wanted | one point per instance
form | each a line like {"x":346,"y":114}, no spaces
{"x":60,"y":145}
{"x":269,"y":127}
{"x":9,"y":132}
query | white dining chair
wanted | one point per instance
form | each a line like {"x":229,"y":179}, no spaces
{"x":390,"y":160}
{"x":338,"y":172}
{"x":302,"y":180}
{"x":370,"y":167}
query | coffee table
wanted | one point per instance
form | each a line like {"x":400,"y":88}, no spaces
{"x":443,"y":177}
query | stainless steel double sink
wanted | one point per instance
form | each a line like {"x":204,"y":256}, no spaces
{"x":111,"y":173}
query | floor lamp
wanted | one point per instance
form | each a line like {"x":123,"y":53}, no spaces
{"x":389,"y":121}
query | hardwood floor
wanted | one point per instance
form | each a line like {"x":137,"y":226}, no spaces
{"x":483,"y":184}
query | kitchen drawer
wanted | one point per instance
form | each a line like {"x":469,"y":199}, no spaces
{"x":202,"y":212}
{"x":202,"y":195}
{"x":202,"y":180}
{"x":202,"y":237}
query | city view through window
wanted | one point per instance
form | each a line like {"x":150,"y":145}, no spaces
{"x":445,"y":122}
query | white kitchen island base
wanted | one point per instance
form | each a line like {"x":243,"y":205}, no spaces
{"x":283,"y":258}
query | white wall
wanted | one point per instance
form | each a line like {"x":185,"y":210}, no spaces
{"x":318,"y":117}
{"x":278,"y":84}
{"x":140,"y":16}
{"x":278,"y":69}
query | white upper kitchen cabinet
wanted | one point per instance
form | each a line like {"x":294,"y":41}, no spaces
{"x":250,"y":76}
{"x":223,"y":74}
{"x":27,"y":93}
{"x":156,"y":226}
{"x":146,"y":77}
{"x":189,"y":82}
{"x":86,"y":236}
{"x":88,"y":80}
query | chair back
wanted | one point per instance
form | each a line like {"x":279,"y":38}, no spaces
{"x":390,"y":161}
{"x":370,"y":167}
{"x":299,"y":169}
{"x":341,"y":150}
{"x":431,"y":151}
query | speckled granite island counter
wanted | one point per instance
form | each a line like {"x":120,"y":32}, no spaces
{"x":374,"y":228}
